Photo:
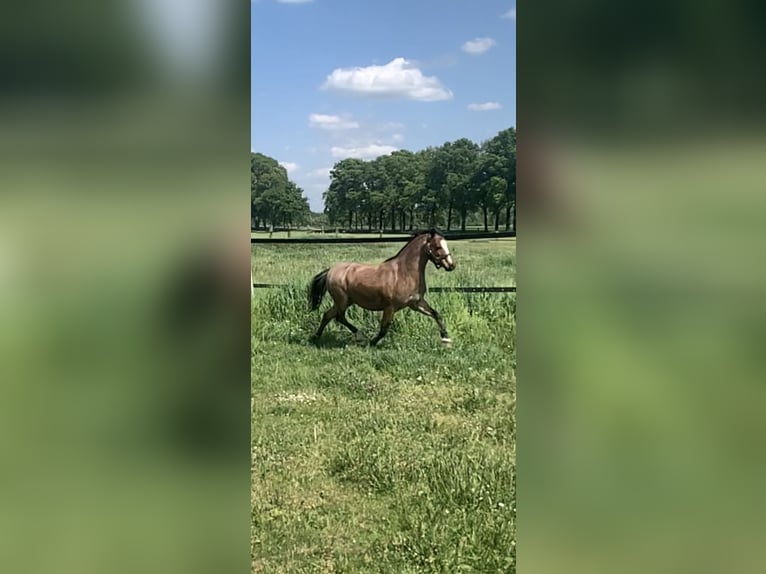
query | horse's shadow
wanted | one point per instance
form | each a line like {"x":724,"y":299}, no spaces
{"x":329,"y":340}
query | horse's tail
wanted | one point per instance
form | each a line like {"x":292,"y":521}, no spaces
{"x":318,"y":289}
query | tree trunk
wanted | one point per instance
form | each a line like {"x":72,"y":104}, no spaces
{"x":449,"y":217}
{"x":369,"y":220}
{"x":350,"y":220}
{"x":514,"y":217}
{"x":497,"y":218}
{"x":484,"y":207}
{"x":412,"y":216}
{"x":463,"y":217}
{"x":508,"y":217}
{"x":402,"y":220}
{"x":393,"y":219}
{"x":380,"y":219}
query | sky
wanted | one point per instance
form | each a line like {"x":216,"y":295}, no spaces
{"x":332,"y":79}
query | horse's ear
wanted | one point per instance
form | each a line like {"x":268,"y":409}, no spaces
{"x":432,"y":232}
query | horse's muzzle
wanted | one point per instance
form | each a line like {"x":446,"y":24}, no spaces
{"x":447,"y":263}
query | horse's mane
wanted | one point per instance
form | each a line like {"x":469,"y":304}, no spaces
{"x":412,"y":238}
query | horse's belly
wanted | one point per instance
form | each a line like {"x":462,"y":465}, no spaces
{"x":371,"y":301}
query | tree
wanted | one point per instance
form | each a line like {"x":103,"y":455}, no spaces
{"x":438,"y":191}
{"x":274,"y":199}
{"x":502,"y":149}
{"x":459,"y":161}
{"x":346,"y":192}
{"x":432,"y":200}
{"x":377,"y":180}
{"x":430,"y":186}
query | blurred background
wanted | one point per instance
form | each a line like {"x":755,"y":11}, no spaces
{"x":641,"y":358}
{"x":124,"y":311}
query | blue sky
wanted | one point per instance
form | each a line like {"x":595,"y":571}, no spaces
{"x":332,"y":79}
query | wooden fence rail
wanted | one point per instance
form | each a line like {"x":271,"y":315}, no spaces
{"x":332,"y":240}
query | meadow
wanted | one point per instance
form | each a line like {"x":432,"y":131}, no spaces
{"x":398,"y":458}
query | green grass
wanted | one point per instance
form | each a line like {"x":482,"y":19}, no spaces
{"x":480,"y":262}
{"x":399,"y":458}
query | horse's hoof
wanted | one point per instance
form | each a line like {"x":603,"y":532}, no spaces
{"x":446,"y":341}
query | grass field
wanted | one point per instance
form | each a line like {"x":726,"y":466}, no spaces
{"x":394,"y":459}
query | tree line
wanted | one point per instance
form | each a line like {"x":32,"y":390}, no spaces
{"x":445,"y":185}
{"x":275,"y":200}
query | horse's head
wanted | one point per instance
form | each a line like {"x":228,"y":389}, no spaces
{"x":438,"y":252}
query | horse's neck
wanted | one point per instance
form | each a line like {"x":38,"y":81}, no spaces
{"x":414,"y":259}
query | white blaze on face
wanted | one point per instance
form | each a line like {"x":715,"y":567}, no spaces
{"x":447,"y":255}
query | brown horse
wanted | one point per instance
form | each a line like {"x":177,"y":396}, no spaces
{"x":398,"y":282}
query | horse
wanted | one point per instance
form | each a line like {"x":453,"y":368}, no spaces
{"x":397,"y":282}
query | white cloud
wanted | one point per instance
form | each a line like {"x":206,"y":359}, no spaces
{"x":398,"y":78}
{"x":290,"y":166}
{"x":485,"y":107}
{"x":327,"y":122}
{"x":478,"y":45}
{"x":365,"y":152}
{"x":397,"y":137}
{"x":511,"y":14}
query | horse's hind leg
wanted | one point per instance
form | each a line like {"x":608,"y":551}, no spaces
{"x":328,"y":316}
{"x":341,"y":318}
{"x":385,"y":323}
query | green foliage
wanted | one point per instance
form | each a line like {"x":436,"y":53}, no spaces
{"x":274,"y":199}
{"x":435,"y":186}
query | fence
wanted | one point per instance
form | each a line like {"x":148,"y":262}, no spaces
{"x":342,"y":240}
{"x":390,"y":239}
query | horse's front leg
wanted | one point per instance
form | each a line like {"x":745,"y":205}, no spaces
{"x":385,"y":323}
{"x":422,"y":306}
